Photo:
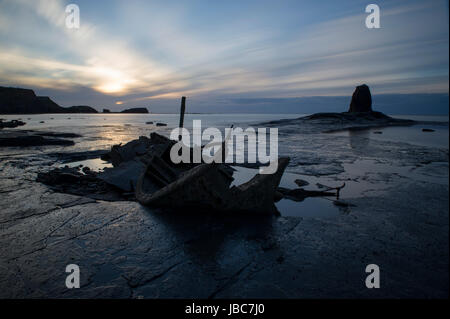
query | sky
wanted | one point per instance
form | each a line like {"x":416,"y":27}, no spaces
{"x":223,"y":55}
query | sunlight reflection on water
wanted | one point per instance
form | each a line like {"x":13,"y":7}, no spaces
{"x":363,"y":177}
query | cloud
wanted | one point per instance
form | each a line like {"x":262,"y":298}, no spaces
{"x":99,"y":61}
{"x":151,"y":51}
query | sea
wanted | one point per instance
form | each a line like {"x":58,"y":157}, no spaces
{"x":333,"y":167}
{"x":111,"y":129}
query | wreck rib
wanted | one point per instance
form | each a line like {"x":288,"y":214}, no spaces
{"x":208,"y":185}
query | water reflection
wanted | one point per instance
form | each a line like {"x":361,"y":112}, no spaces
{"x":95,"y":164}
{"x":318,"y":207}
{"x":207,"y":235}
{"x":359,"y":141}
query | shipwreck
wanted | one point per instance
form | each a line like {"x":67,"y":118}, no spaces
{"x":144,"y":166}
{"x":162,"y":183}
{"x":144,"y":171}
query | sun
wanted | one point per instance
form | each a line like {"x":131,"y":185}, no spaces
{"x":111,"y":87}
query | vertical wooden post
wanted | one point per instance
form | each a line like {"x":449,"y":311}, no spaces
{"x":183,"y":107}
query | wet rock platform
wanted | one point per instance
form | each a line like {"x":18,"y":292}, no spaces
{"x":26,"y":138}
{"x":125,"y":250}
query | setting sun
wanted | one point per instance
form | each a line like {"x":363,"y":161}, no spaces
{"x":113,"y":87}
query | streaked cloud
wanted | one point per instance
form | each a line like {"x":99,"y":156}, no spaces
{"x":136,"y":52}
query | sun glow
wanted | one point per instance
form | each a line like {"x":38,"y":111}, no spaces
{"x":111,"y":87}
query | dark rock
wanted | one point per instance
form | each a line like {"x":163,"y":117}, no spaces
{"x":81,"y":109}
{"x":361,"y":100}
{"x":106,"y":111}
{"x":20,"y":101}
{"x":11,"y":124}
{"x":25,"y":101}
{"x":148,"y":122}
{"x":86,"y":170}
{"x":161,"y":124}
{"x":301,"y":183}
{"x":280,"y":259}
{"x":71,"y":181}
{"x":350,"y":117}
{"x":59,"y":175}
{"x":56,"y":134}
{"x":299,"y":194}
{"x":340,"y":203}
{"x":77,"y":156}
{"x":346,"y":121}
{"x":377,"y":132}
{"x":427,"y":130}
{"x":32,"y":140}
{"x":136,"y":110}
{"x":277,"y":196}
{"x":44,"y":104}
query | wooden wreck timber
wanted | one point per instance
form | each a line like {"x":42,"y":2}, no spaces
{"x":205,"y":185}
{"x":144,"y":167}
{"x":208,"y":186}
{"x":182,"y":110}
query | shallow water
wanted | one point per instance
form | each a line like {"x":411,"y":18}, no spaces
{"x":362,"y":159}
{"x":317,"y":207}
{"x":105,"y":130}
{"x":95,"y":164}
{"x":110,"y":129}
{"x":407,"y":134}
{"x":33,"y":121}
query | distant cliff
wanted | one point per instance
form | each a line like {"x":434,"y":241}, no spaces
{"x":80,"y":109}
{"x":136,"y":110}
{"x":25,"y":101}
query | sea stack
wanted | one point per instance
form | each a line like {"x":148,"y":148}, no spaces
{"x":361,"y":100}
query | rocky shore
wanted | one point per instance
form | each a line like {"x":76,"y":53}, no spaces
{"x":126,"y":250}
{"x":25,"y":101}
{"x":11,"y":124}
{"x":395,"y":215}
{"x":26,"y":138}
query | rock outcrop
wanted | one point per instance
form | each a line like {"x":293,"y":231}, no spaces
{"x":11,"y":124}
{"x":81,"y":109}
{"x":25,"y":101}
{"x":136,"y":110}
{"x":25,"y":140}
{"x":44,"y":104}
{"x":360,"y":116}
{"x":361,"y":100}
